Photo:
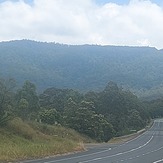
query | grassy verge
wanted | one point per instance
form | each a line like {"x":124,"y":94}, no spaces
{"x":20,"y":140}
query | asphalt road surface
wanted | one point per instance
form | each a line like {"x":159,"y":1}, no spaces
{"x":146,"y":148}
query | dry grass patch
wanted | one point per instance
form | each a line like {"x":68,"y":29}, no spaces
{"x":20,"y":140}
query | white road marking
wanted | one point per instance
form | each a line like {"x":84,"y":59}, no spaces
{"x":139,"y":135}
{"x":103,"y":151}
{"x":79,"y":156}
{"x":158,"y":123}
{"x":147,"y":154}
{"x":91,"y":153}
{"x":158,"y":161}
{"x":95,"y":153}
{"x":134,"y":149}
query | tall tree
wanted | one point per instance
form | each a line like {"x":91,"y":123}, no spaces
{"x":50,"y":116}
{"x":28,"y":94}
{"x":83,"y":119}
{"x":119,"y":107}
{"x":6,"y":99}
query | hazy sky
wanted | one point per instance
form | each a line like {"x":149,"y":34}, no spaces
{"x":119,"y":22}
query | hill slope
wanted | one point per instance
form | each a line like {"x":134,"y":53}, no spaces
{"x":20,"y":140}
{"x":83,"y":67}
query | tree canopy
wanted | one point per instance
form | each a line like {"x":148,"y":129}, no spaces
{"x":113,"y":111}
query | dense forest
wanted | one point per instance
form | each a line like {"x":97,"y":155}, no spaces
{"x":100,"y":115}
{"x":75,"y":88}
{"x":83,"y":67}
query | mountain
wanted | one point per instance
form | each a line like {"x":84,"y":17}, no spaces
{"x":82,"y":67}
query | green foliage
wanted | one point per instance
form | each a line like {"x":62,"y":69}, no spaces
{"x":27,"y":101}
{"x":155,"y":108}
{"x":99,"y":115}
{"x":81,"y":67}
{"x":6,"y":100}
{"x":4,"y":119}
{"x":23,"y":107}
{"x":84,"y":120}
{"x":135,"y":121}
{"x":121,"y":108}
{"x":57,"y":98}
{"x":50,"y":116}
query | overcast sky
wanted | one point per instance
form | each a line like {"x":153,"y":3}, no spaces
{"x":104,"y":22}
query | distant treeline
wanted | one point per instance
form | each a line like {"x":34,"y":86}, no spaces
{"x":99,"y":115}
{"x":83,"y":67}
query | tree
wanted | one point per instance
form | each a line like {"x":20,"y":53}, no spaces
{"x":23,"y":108}
{"x":83,"y":119}
{"x":135,"y":121}
{"x":50,"y":116}
{"x":119,"y":106}
{"x":57,"y":98}
{"x":6,"y":99}
{"x":27,"y":94}
{"x":69,"y":112}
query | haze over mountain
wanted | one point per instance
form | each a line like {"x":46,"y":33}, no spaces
{"x":83,"y":67}
{"x":104,"y":22}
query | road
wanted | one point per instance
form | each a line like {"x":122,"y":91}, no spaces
{"x":146,"y":148}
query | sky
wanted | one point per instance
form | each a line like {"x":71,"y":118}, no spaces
{"x":101,"y":22}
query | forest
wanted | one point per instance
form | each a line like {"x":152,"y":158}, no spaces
{"x":101,"y":115}
{"x":99,"y":91}
{"x":83,"y":67}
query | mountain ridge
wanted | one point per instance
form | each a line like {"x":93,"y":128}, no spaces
{"x":81,"y":67}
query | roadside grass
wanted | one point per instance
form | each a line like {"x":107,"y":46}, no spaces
{"x":20,"y":140}
{"x":122,"y":139}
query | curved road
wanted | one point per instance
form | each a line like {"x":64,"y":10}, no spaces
{"x":146,"y":148}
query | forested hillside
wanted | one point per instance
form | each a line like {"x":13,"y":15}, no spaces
{"x":99,"y":115}
{"x":53,"y":115}
{"x":82,"y":67}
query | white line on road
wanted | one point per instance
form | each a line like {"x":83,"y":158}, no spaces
{"x":134,"y":149}
{"x":158,"y":161}
{"x":158,"y":123}
{"x":71,"y":158}
{"x":96,"y":154}
{"x":139,"y":135}
{"x":91,"y":154}
{"x":156,"y":150}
